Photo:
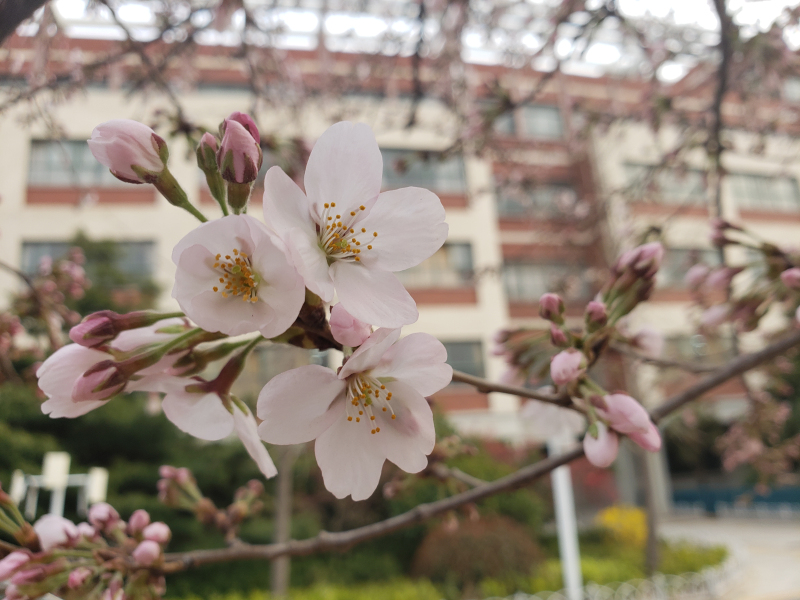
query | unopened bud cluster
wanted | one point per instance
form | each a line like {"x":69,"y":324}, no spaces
{"x":106,"y":558}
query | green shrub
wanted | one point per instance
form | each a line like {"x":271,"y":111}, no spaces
{"x":400,"y":589}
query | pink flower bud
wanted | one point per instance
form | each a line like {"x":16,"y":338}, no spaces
{"x":602,"y":450}
{"x":147,"y":553}
{"x":138,"y":521}
{"x":346,"y":329}
{"x":649,"y":341}
{"x":12,"y":593}
{"x":122,"y":144}
{"x":567,"y":366}
{"x":100,"y":382}
{"x":557,"y":336}
{"x":11,"y":563}
{"x":248,"y":123}
{"x":93,"y":331}
{"x":551,"y":307}
{"x":209,"y":141}
{"x":55,"y":531}
{"x":183,"y":476}
{"x":239,"y":157}
{"x":157,"y":532}
{"x":791,"y":278}
{"x":167,"y":472}
{"x":696,"y":275}
{"x":86,"y":531}
{"x":650,"y":440}
{"x":103,"y":516}
{"x":715,"y":315}
{"x":797,"y":315}
{"x":78,"y":577}
{"x":28,"y":576}
{"x":720,"y":279}
{"x":624,"y":414}
{"x":596,"y":313}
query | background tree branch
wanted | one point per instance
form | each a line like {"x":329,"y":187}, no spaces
{"x":14,"y":12}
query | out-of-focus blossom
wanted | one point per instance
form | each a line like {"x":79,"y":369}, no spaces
{"x":602,"y":450}
{"x":567,"y":366}
{"x":649,"y":341}
{"x":791,"y":278}
{"x":55,"y":531}
{"x":551,"y":307}
{"x":147,"y":553}
{"x":12,"y":562}
{"x":696,"y":275}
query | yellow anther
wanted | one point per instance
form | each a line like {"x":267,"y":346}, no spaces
{"x":374,"y":234}
{"x":384,"y":409}
{"x":217,"y":256}
{"x":228,"y":256}
{"x":330,"y":218}
{"x":361,"y":412}
{"x":349,"y":418}
{"x":378,"y":429}
{"x":363,"y":230}
{"x":383,"y":387}
{"x":372,"y":432}
{"x":236,"y":252}
{"x":369,"y":247}
{"x":372,"y":418}
{"x":358,"y":259}
{"x":216,"y":265}
{"x":362,"y":207}
{"x":327,"y":205}
{"x":215,"y":288}
{"x":224,"y":295}
{"x":333,"y":204}
{"x":394,"y":416}
{"x":221,"y":280}
{"x":358,"y":420}
{"x":352,"y":213}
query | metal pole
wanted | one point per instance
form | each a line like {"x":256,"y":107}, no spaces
{"x":566,"y":522}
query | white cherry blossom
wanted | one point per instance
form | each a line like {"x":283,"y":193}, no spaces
{"x":373,"y":410}
{"x":233,"y":277}
{"x":347,"y":237}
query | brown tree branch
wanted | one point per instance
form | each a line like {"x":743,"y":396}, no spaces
{"x":182,"y":561}
{"x":53,"y":334}
{"x":486,"y":386}
{"x":663,"y":362}
{"x":13,"y":13}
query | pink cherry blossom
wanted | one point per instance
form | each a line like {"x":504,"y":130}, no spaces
{"x":248,"y":123}
{"x":78,"y":577}
{"x":347,"y":237}
{"x":346,"y":329}
{"x":55,"y":531}
{"x":791,"y":278}
{"x":121,"y":144}
{"x":11,"y":563}
{"x":551,"y":306}
{"x":239,"y":156}
{"x":103,"y":516}
{"x":715,"y":315}
{"x":147,"y":553}
{"x":602,"y":450}
{"x":373,"y":410}
{"x":626,"y":416}
{"x":567,"y":366}
{"x":234,"y":278}
{"x":138,"y":521}
{"x":62,"y":374}
{"x":696,"y":275}
{"x":204,"y":415}
{"x":157,"y":532}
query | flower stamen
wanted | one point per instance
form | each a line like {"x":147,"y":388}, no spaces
{"x":238,"y":276}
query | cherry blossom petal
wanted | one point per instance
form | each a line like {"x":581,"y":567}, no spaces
{"x":247,"y":430}
{"x":346,"y":329}
{"x":285,"y":205}
{"x":54,"y":530}
{"x":410,"y":225}
{"x":347,"y":455}
{"x":373,"y":296}
{"x":58,"y":375}
{"x":345,"y":167}
{"x":602,"y":450}
{"x":297,"y":406}
{"x":311,"y":263}
{"x":370,"y":352}
{"x":410,"y":437}
{"x":649,"y":440}
{"x":201,"y":415}
{"x":625,"y":414}
{"x":418,"y":360}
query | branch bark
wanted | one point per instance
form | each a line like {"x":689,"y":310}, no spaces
{"x":13,"y":13}
{"x":486,"y":386}
{"x":325,"y":541}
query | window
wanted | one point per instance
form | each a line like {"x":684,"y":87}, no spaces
{"x":527,"y":281}
{"x":134,"y":260}
{"x":466,"y":357}
{"x":540,"y":201}
{"x":691,"y":348}
{"x":542,"y":122}
{"x":429,"y":170}
{"x":671,"y":186}
{"x":450,"y":267}
{"x":764,"y":192}
{"x":67,"y":163}
{"x":677,"y":262}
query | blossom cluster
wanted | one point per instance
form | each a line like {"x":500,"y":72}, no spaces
{"x":104,"y":558}
{"x":565,"y":355}
{"x":339,"y":239}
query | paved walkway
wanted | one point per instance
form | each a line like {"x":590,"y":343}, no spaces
{"x":767,"y":552}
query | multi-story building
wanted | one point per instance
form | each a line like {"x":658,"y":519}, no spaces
{"x":545,"y":212}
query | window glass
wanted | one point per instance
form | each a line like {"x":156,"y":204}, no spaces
{"x":133,"y":259}
{"x":526,"y":281}
{"x":429,"y":170}
{"x":761,"y":192}
{"x":450,"y":267}
{"x":677,"y":261}
{"x":541,"y":122}
{"x":540,"y":201}
{"x":466,"y":357}
{"x":671,"y":186}
{"x":67,"y":163}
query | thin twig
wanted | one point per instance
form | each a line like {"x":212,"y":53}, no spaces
{"x":53,"y":334}
{"x":486,"y":386}
{"x":325,"y":541}
{"x":663,"y":362}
